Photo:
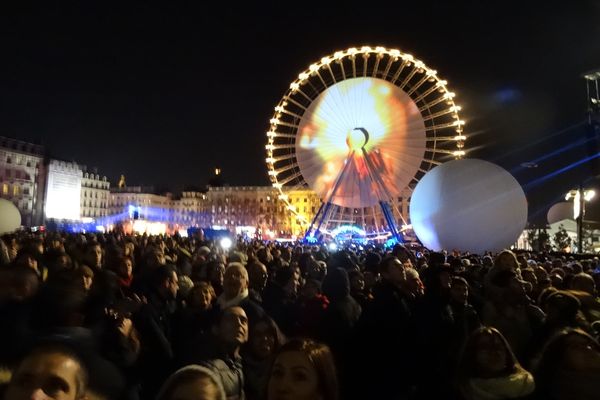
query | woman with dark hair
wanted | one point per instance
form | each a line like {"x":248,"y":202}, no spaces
{"x":264,"y":340}
{"x":488,"y":369}
{"x":193,"y":382}
{"x":303,"y":370}
{"x":569,"y":367}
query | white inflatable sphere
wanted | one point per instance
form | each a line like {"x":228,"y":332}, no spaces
{"x":468,"y":205}
{"x":10,"y":217}
{"x":560,"y":211}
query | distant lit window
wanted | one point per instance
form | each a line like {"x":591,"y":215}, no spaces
{"x":5,"y":189}
{"x":16,"y":190}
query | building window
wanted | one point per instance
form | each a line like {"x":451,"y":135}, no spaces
{"x":5,"y":189}
{"x":16,"y":190}
{"x":305,"y":199}
{"x":8,"y":160}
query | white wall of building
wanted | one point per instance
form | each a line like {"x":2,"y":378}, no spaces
{"x":63,"y":191}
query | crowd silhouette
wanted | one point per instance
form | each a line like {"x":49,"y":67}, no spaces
{"x":116,"y":316}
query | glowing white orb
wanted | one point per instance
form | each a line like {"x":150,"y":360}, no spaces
{"x":226,"y":243}
{"x":560,"y":211}
{"x":468,"y":205}
{"x":10,"y":217}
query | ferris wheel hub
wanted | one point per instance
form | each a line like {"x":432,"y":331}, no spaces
{"x":357,"y":139}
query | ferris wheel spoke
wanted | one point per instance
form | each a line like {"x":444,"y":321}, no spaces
{"x":449,"y":110}
{"x":435,"y":102}
{"x":378,"y":59}
{"x":291,"y":178}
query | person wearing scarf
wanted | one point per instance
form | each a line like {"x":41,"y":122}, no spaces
{"x":236,"y":294}
{"x":489,"y":369}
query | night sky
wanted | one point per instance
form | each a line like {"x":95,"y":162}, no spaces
{"x":163,"y":94}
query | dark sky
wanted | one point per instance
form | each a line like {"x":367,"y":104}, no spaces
{"x":163,"y":94}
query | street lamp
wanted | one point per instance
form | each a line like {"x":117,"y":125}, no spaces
{"x":580,"y":196}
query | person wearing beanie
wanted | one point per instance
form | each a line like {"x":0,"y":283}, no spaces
{"x":193,"y":382}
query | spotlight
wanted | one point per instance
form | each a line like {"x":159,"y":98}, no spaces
{"x":225,"y":243}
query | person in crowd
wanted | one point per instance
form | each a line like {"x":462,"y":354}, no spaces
{"x":264,"y":340}
{"x":49,"y":372}
{"x":511,"y":311}
{"x":357,"y":288}
{"x":303,"y":370}
{"x":215,"y":273}
{"x":153,"y":322}
{"x":191,"y":324}
{"x":230,"y":332}
{"x":342,"y":313}
{"x":257,"y":276}
{"x":488,"y":369}
{"x":311,"y":308}
{"x":236,"y":293}
{"x":279,"y":300}
{"x":387,"y":322}
{"x":568,"y":367}
{"x":193,"y":382}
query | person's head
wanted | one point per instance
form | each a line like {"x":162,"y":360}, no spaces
{"x":336,"y":285}
{"x":265,"y":338}
{"x":125,"y":267}
{"x":487,"y":354}
{"x":584,"y":283}
{"x":459,"y":291}
{"x":569,"y":350}
{"x":215,"y":270}
{"x":87,"y":276}
{"x":201,"y":296}
{"x":193,"y":382}
{"x":167,"y":281}
{"x":561,"y":308}
{"x":93,"y":255}
{"x":414,"y":285}
{"x":49,"y":372}
{"x":506,"y":260}
{"x":357,"y":281}
{"x":257,"y":275}
{"x":311,"y":289}
{"x":231,"y":327}
{"x":287,"y":279}
{"x":392,"y":270}
{"x":27,"y":258}
{"x":303,"y":370}
{"x":235,"y":280}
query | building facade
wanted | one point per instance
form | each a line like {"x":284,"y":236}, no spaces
{"x":63,"y":191}
{"x":23,"y":178}
{"x":95,"y":195}
{"x":125,"y":201}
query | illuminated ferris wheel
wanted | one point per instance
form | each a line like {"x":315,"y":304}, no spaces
{"x":360,"y":128}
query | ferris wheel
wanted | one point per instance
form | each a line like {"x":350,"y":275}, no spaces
{"x":361,"y":127}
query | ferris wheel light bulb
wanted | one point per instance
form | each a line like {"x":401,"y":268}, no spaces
{"x":313,"y":68}
{"x":303,"y":76}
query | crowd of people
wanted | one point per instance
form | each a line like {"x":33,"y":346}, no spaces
{"x":115,"y":316}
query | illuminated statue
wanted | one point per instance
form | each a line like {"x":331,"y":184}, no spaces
{"x":122,"y":181}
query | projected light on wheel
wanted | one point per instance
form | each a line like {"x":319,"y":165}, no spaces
{"x":360,"y":128}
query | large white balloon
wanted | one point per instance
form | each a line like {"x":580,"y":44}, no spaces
{"x":560,"y":211}
{"x":10,"y":217}
{"x":469,"y":205}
